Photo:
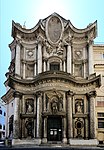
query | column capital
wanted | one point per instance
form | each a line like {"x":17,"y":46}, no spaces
{"x":19,"y":42}
{"x":91,"y":94}
{"x":69,"y":93}
{"x":39,"y":39}
{"x":39,"y":93}
{"x":90,"y":42}
{"x":17,"y":94}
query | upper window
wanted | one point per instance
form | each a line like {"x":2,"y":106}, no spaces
{"x":3,"y":127}
{"x":0,"y":126}
{"x":100,"y":120}
{"x":54,"y":66}
{"x":1,"y":112}
{"x":103,"y":55}
{"x":4,"y":114}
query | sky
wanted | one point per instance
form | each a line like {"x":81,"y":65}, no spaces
{"x":80,"y":12}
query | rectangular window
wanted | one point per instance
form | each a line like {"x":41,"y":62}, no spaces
{"x":54,"y":66}
{"x":3,"y":127}
{"x":4,"y":114}
{"x":100,"y":120}
{"x":0,"y":126}
{"x":103,"y":55}
{"x":101,"y":123}
{"x":100,"y":114}
{"x":1,"y":112}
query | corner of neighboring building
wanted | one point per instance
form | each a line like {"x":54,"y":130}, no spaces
{"x":2,"y":119}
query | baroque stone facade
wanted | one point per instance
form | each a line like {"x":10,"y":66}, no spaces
{"x":52,"y":82}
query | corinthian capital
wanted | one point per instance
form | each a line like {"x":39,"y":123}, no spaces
{"x":39,"y":93}
{"x":69,"y":93}
{"x":91,"y":94}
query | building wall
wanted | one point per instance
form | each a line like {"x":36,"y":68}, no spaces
{"x":98,"y":51}
{"x":2,"y":119}
{"x":51,"y":74}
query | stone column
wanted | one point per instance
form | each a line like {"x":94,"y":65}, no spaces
{"x":39,"y":56}
{"x":92,"y":114}
{"x":23,"y":128}
{"x":84,"y":61}
{"x":64,"y":140}
{"x":64,"y":66}
{"x":38,"y":115}
{"x":44,"y":103}
{"x":44,"y":65}
{"x":48,"y":67}
{"x":16,"y":127}
{"x":69,"y":114}
{"x":69,"y":59}
{"x":24,"y":69}
{"x":17,"y":60}
{"x":34,"y":128}
{"x":35,"y":68}
{"x":90,"y":56}
{"x":24,"y":64}
{"x":44,"y":140}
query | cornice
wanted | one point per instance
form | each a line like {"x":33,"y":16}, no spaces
{"x":16,"y":27}
{"x":8,"y":95}
{"x":55,"y":75}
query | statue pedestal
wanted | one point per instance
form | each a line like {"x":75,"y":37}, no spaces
{"x":76,"y":142}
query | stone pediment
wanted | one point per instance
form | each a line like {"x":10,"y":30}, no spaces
{"x":54,"y":27}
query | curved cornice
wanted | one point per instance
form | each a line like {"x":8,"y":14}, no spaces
{"x":88,"y":28}
{"x":42,"y":24}
{"x":49,"y":75}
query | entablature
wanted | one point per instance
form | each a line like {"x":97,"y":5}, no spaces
{"x":59,"y":80}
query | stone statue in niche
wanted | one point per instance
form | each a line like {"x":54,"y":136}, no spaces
{"x":54,"y":101}
{"x":79,"y":106}
{"x":54,"y":107}
{"x":56,"y":104}
{"x":29,"y":106}
{"x":30,"y":70}
{"x":60,"y":48}
{"x":78,"y":70}
{"x":29,"y":126}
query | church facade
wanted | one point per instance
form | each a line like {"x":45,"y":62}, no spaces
{"x":52,"y":83}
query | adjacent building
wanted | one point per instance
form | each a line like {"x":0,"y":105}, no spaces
{"x":2,"y":119}
{"x":56,"y":84}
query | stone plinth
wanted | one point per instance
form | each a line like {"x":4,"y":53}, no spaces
{"x":26,"y":142}
{"x":76,"y":142}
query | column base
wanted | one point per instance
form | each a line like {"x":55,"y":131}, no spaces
{"x":26,"y":141}
{"x":64,"y":140}
{"x":82,"y":142}
{"x":44,"y":140}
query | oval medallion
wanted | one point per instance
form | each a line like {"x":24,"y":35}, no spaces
{"x":54,"y":29}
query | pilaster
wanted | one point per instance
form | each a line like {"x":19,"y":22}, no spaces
{"x":39,"y":55}
{"x":44,"y":140}
{"x":64,"y":140}
{"x":38,"y":115}
{"x":69,"y":59}
{"x":17,"y":59}
{"x":91,"y":96}
{"x":69,"y":114}
{"x":90,"y":56}
{"x":16,"y":129}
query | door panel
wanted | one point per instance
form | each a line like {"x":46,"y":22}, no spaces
{"x":54,"y":129}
